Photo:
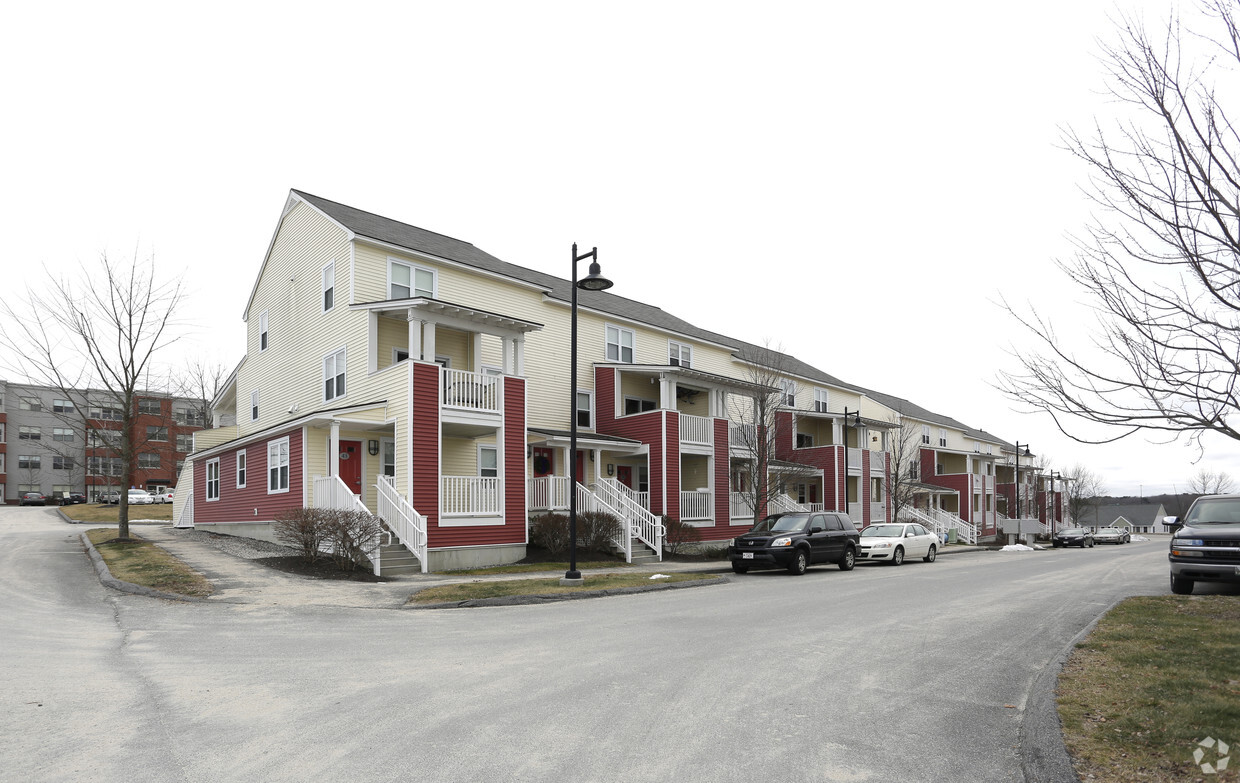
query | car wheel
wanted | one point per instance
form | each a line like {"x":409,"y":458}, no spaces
{"x":1181,"y":586}
{"x":740,"y":569}
{"x":1091,"y":543}
{"x":800,"y":562}
{"x":849,"y":559}
{"x":930,"y":555}
{"x":897,"y":557}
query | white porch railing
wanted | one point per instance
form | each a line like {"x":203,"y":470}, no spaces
{"x":742,"y":436}
{"x":589,"y":501}
{"x":186,"y":518}
{"x":642,"y":499}
{"x":854,"y":513}
{"x":697,"y":429}
{"x":470,"y":390}
{"x":782,"y":504}
{"x":408,"y":525}
{"x":547,"y":493}
{"x":641,"y":524}
{"x":471,"y":496}
{"x":854,"y":459}
{"x":878,"y":513}
{"x":697,"y":506}
{"x":740,"y":505}
{"x":332,"y":492}
{"x":941,"y":522}
{"x":878,"y":462}
{"x":815,"y":506}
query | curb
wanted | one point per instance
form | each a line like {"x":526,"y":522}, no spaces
{"x":107,"y":580}
{"x":547,"y":598}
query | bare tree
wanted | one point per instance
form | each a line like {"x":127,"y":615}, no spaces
{"x":100,"y":332}
{"x":1084,"y":487}
{"x":1160,"y":267}
{"x":904,"y":445}
{"x":1210,"y":482}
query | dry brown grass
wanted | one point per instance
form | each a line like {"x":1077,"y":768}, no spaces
{"x":142,"y":563}
{"x":108,"y":515}
{"x":466,"y":591}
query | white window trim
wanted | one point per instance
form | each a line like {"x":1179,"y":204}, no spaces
{"x":925,"y":434}
{"x":383,"y":443}
{"x":413,"y":268}
{"x":683,"y":353}
{"x":822,"y":400}
{"x":254,"y":405}
{"x":620,"y":330}
{"x":275,"y":444}
{"x":242,"y":468}
{"x":329,"y":267}
{"x":624,"y":405}
{"x":589,"y":393}
{"x":942,"y":439}
{"x":788,"y":392}
{"x":343,"y":353}
{"x":444,"y":361}
{"x":490,"y":369}
{"x":489,"y":447}
{"x":264,"y":337}
{"x":396,"y":358}
{"x":207,"y":488}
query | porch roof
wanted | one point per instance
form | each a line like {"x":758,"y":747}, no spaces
{"x":689,"y":373}
{"x":788,"y":465}
{"x":314,"y":417}
{"x":562,"y":437}
{"x":872,"y":423}
{"x":449,"y":312}
{"x":930,"y":489}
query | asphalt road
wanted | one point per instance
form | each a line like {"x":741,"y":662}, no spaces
{"x":926,"y":672}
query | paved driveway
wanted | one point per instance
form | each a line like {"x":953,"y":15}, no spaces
{"x":927,"y":672}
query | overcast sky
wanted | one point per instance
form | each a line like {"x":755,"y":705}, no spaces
{"x":857,"y":184}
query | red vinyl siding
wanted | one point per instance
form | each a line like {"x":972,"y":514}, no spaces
{"x":425,"y":435}
{"x":251,"y":503}
{"x":647,"y":428}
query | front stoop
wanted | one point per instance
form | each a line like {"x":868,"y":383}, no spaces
{"x":642,"y":554}
{"x":395,"y":559}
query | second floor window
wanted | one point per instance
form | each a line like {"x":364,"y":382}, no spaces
{"x":821,"y":400}
{"x":157,"y":433}
{"x":62,"y":406}
{"x":148,"y":461}
{"x":620,"y":343}
{"x":62,"y":434}
{"x":105,"y":413}
{"x":262,"y":331}
{"x":254,"y":405}
{"x":925,"y":435}
{"x":789,"y":393}
{"x":329,"y":286}
{"x":29,"y":433}
{"x":679,"y":354}
{"x":488,"y":461}
{"x":943,"y":439}
{"x":406,"y":281}
{"x":333,"y":375}
{"x":585,"y":409}
{"x":148,"y":406}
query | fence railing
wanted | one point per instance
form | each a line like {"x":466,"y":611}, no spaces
{"x":332,"y":492}
{"x":547,"y":493}
{"x":697,"y":429}
{"x":471,"y":496}
{"x":697,"y":506}
{"x":186,"y":518}
{"x":470,"y":390}
{"x":641,"y":524}
{"x":406,"y":523}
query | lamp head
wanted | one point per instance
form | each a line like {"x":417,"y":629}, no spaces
{"x":595,"y":280}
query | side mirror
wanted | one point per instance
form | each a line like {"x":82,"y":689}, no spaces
{"x":1172,"y":523}
{"x":817,"y":529}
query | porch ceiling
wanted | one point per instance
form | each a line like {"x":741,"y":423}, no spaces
{"x":586,"y":440}
{"x":451,"y":314}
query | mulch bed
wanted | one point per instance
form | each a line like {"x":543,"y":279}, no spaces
{"x":319,"y":569}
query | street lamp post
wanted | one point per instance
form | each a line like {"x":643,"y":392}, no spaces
{"x":1016,"y":476}
{"x":592,"y":282}
{"x":855,"y":423}
{"x":1050,"y":502}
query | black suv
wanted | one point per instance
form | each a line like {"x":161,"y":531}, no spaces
{"x":796,"y":541}
{"x":1205,"y":545}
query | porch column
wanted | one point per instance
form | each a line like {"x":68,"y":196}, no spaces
{"x":477,"y":343}
{"x":428,"y":341}
{"x":372,"y":341}
{"x":333,"y":459}
{"x":506,"y":349}
{"x":519,"y":358}
{"x":597,"y":460}
{"x":667,"y":393}
{"x":415,"y":336}
{"x":569,"y":467}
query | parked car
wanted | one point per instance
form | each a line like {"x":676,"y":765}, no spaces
{"x":112,"y":497}
{"x":894,"y":542}
{"x":33,"y":499}
{"x":140,"y":497}
{"x":163,"y":497}
{"x":1073,"y":536}
{"x":67,"y":498}
{"x":796,"y":541}
{"x":1205,"y":544}
{"x":1111,"y":535}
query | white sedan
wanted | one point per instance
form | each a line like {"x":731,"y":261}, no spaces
{"x":163,"y":497}
{"x":896,"y":541}
{"x":140,"y":497}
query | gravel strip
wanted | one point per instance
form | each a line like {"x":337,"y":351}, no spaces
{"x":247,"y":548}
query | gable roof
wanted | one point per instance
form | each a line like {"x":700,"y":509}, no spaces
{"x":1135,"y":513}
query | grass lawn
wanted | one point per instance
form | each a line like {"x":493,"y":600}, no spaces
{"x":143,"y":563}
{"x":510,"y":587}
{"x":108,"y":515}
{"x":1157,"y":676}
{"x":531,"y":568}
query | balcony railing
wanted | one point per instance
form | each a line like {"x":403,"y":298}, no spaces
{"x":740,"y":505}
{"x":878,"y":462}
{"x":878,"y":513}
{"x":547,"y":493}
{"x":854,"y":459}
{"x":471,"y":496}
{"x":742,"y":436}
{"x":697,"y":506}
{"x":470,"y":390}
{"x":697,"y":429}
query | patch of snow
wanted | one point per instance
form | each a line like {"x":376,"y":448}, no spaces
{"x":1138,"y":538}
{"x":661,"y":576}
{"x":1016,"y":548}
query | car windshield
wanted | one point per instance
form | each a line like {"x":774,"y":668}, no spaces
{"x":781,"y":524}
{"x":888,"y":531}
{"x":1214,"y":511}
{"x":1072,"y":531}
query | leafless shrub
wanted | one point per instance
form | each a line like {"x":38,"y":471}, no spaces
{"x":598,"y":530}
{"x":302,"y":529}
{"x":550,"y":532}
{"x":679,"y":536}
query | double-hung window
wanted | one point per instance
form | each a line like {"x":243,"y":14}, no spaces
{"x":62,"y":434}
{"x":148,"y":406}
{"x":62,"y":406}
{"x":241,"y":469}
{"x":148,"y":461}
{"x":262,"y":331}
{"x":406,"y":281}
{"x":213,"y":479}
{"x":254,"y":405}
{"x":620,"y":343}
{"x":157,"y":433}
{"x":585,"y":408}
{"x":29,"y":433}
{"x":329,"y":286}
{"x":821,"y":400}
{"x":62,"y":463}
{"x":333,"y":375}
{"x":679,"y":354}
{"x":488,"y":461}
{"x":29,"y":461}
{"x":277,"y":466}
{"x":29,"y":404}
{"x":943,"y":439}
{"x":790,"y":393}
{"x":925,"y":434}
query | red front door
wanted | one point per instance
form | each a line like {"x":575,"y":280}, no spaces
{"x":624,"y":474}
{"x":544,"y":462}
{"x":351,"y":465}
{"x":581,"y":466}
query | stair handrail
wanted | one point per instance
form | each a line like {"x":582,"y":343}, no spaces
{"x":332,"y":492}
{"x":588,"y":500}
{"x":642,"y":523}
{"x":187,"y":514}
{"x":398,"y":514}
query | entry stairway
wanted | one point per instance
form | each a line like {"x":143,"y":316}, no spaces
{"x":641,"y":532}
{"x":941,"y":522}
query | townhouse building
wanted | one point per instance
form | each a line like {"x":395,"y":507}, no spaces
{"x":413,"y":375}
{"x":65,"y":440}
